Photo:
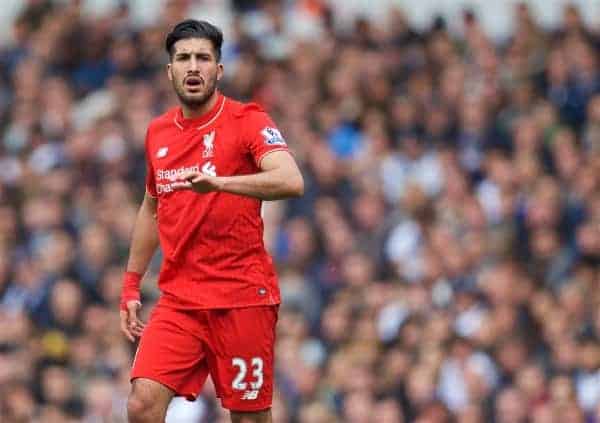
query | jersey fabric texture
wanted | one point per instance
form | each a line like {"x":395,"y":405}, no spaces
{"x":212,"y":243}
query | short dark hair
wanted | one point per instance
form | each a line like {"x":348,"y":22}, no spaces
{"x":191,"y":28}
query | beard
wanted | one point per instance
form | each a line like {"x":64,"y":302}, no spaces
{"x":196,"y":100}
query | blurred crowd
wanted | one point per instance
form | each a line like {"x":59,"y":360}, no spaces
{"x":443,"y":265}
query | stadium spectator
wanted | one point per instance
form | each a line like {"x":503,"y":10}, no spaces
{"x":443,"y":264}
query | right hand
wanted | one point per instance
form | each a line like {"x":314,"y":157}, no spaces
{"x":131,"y":325}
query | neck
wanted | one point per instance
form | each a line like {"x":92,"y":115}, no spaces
{"x":195,"y":112}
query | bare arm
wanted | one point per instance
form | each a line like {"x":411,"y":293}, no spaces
{"x":279,"y":178}
{"x":144,"y":240}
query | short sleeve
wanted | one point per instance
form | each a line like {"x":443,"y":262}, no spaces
{"x":263,"y":137}
{"x":150,"y":181}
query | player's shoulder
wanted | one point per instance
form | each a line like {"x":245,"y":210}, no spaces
{"x":159,"y":128}
{"x":240,"y":110}
{"x":165,"y":119}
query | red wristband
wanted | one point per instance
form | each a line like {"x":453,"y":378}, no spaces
{"x":131,"y":289}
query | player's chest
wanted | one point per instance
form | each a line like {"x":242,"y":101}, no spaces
{"x":214,"y":151}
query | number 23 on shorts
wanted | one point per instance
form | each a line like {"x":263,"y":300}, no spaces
{"x":238,"y":383}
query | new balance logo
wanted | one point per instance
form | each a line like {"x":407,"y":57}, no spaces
{"x":162,"y":152}
{"x":250,"y":395}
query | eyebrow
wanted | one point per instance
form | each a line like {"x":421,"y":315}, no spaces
{"x":188,"y":53}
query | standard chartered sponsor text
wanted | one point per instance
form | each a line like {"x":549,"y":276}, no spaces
{"x":170,"y":174}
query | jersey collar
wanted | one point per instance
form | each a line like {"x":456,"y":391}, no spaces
{"x":201,"y":121}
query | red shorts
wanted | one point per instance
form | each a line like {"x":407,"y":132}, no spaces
{"x":180,"y":348}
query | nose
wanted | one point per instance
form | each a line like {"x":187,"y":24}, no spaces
{"x":193,"y":64}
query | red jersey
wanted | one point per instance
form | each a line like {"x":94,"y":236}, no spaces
{"x":212,"y":243}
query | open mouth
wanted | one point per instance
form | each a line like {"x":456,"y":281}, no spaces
{"x":193,"y":83}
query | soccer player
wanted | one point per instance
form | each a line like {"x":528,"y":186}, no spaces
{"x":211,"y":161}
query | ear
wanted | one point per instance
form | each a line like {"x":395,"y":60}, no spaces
{"x":169,"y":72}
{"x":219,"y":71}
